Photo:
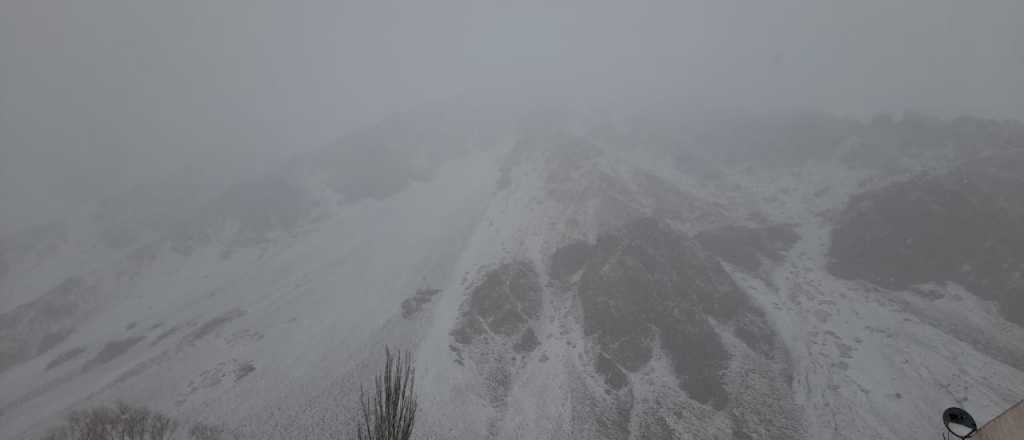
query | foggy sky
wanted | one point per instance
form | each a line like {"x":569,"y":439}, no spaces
{"x":98,"y":93}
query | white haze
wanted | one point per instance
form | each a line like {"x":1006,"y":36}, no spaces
{"x":96,"y":95}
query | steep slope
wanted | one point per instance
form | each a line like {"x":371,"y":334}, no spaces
{"x":965,"y":226}
{"x":557,"y":276}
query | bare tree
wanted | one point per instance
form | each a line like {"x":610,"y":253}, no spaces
{"x":132,"y":421}
{"x":202,"y":431}
{"x":161,"y":427}
{"x":92,"y":424}
{"x":389,"y":414}
{"x":121,"y":422}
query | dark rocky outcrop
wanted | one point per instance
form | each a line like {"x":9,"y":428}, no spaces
{"x":527,"y":342}
{"x":243,"y":369}
{"x":647,"y":288}
{"x":502,"y":304}
{"x":412,"y":306}
{"x":568,"y":260}
{"x":966,"y":226}
{"x":496,"y":326}
{"x":614,"y":377}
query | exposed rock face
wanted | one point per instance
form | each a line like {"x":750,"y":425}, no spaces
{"x":647,"y":288}
{"x":495,"y":327}
{"x":569,"y":259}
{"x":604,"y":193}
{"x":590,"y":319}
{"x":646,"y":293}
{"x":412,"y":306}
{"x":966,"y":226}
{"x":502,"y":304}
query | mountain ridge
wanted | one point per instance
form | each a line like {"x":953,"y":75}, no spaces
{"x":599,"y":278}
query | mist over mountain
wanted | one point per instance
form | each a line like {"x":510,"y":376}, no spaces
{"x":98,"y":96}
{"x":558,"y":270}
{"x":576,"y":219}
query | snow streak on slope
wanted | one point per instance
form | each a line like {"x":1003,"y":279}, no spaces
{"x":874,"y":363}
{"x":555,"y":277}
{"x":293,"y":307}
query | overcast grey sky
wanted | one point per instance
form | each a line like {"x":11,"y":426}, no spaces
{"x":94,"y":93}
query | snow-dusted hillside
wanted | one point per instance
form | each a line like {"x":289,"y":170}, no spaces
{"x":569,"y":277}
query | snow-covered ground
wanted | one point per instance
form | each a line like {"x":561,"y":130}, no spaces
{"x":274,"y":337}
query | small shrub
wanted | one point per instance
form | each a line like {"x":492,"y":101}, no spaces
{"x":202,"y":431}
{"x":127,"y":422}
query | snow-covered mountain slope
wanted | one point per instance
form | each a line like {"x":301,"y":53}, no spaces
{"x":592,"y":277}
